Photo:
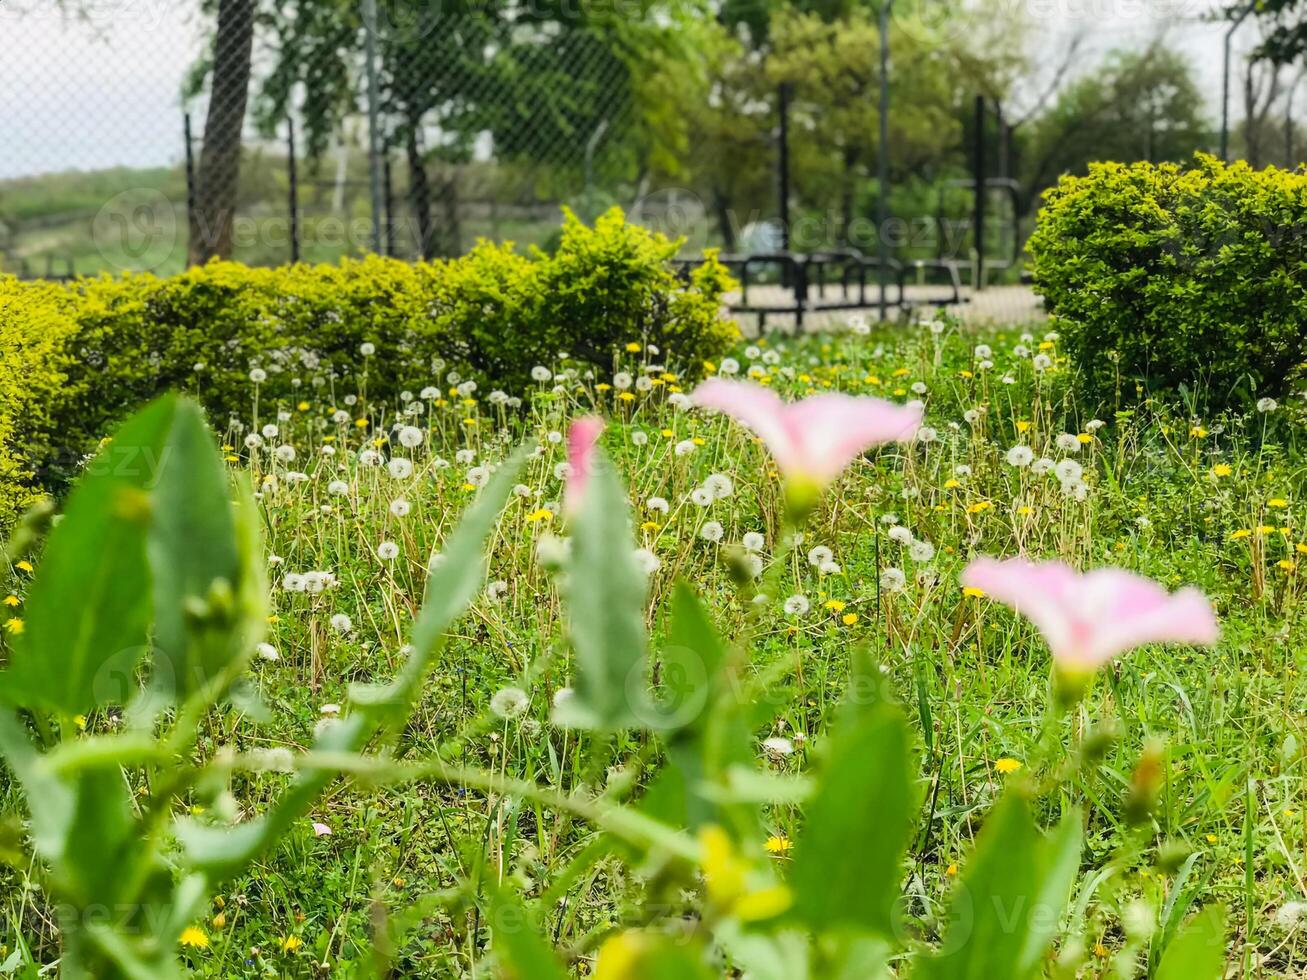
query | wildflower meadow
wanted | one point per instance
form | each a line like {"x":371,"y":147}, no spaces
{"x":869,"y":654}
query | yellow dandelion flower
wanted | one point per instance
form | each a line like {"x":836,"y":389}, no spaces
{"x":778,"y":845}
{"x":1085,"y":438}
{"x":1198,"y":432}
{"x":1211,"y":838}
{"x":12,"y":600}
{"x":291,"y":943}
{"x":626,"y":396}
{"x":951,"y":870}
{"x":849,"y":618}
{"x":649,"y":526}
{"x":1284,"y":564}
{"x":15,"y":626}
{"x":834,"y":605}
{"x":973,"y":593}
{"x":1007,"y":766}
{"x":633,"y":348}
{"x":1279,"y":503}
{"x":1023,"y":426}
{"x":24,"y":566}
{"x":951,"y":484}
{"x":220,"y":920}
{"x":194,"y":937}
{"x":1240,"y":534}
{"x":1222,"y":469}
{"x":540,"y":515}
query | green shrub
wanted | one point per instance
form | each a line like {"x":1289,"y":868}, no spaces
{"x":35,"y":327}
{"x":492,"y":315}
{"x":1161,"y":279}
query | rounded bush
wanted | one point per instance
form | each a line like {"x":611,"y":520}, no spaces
{"x":81,"y":358}
{"x":1166,"y":279}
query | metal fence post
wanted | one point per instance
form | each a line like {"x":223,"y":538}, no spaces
{"x":294,"y":202}
{"x":882,"y":172}
{"x":374,"y":118}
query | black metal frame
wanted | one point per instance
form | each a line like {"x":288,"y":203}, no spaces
{"x":857,"y":281}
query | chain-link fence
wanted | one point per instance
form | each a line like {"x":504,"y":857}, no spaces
{"x":143,"y":134}
{"x":150,"y":134}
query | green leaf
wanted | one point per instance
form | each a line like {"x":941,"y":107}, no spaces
{"x":522,"y":952}
{"x":88,"y":612}
{"x":1005,"y":910}
{"x":847,"y":863}
{"x":1198,"y":952}
{"x":606,"y":598}
{"x":637,"y":955}
{"x":193,"y":556}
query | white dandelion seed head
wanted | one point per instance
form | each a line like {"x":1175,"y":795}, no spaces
{"x":921,"y":551}
{"x":410,"y":436}
{"x":400,"y":468}
{"x":701,"y":497}
{"x":1020,"y":456}
{"x":719,"y":485}
{"x":819,"y":555}
{"x":893,"y":580}
{"x":509,"y":702}
{"x":1042,"y":466}
{"x":778,"y":747}
{"x":685,"y":447}
{"x":341,"y":623}
{"x":900,"y":534}
{"x":712,"y":531}
{"x":658,"y":505}
{"x":753,"y":541}
{"x":1068,"y":470}
{"x":1265,"y":405}
{"x":388,"y":551}
{"x":647,"y":561}
{"x":797,"y":605}
{"x":400,"y":507}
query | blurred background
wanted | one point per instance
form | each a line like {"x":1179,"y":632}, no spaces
{"x":149,"y":134}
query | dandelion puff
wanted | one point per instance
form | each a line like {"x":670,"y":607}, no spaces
{"x":797,"y":605}
{"x":1042,"y":362}
{"x":509,"y":702}
{"x":820,"y":555}
{"x":720,"y":485}
{"x":701,"y":497}
{"x":496,"y":590}
{"x":342,"y":623}
{"x":400,"y":508}
{"x":921,"y":551}
{"x":1265,"y":405}
{"x":658,"y":505}
{"x":268,"y":652}
{"x":778,"y":747}
{"x":400,"y":468}
{"x":293,"y":582}
{"x":712,"y":531}
{"x":829,"y":568}
{"x":893,"y":580}
{"x":639,"y":438}
{"x":388,"y":551}
{"x":753,"y":541}
{"x":900,"y":534}
{"x":410,"y":437}
{"x":1020,"y":456}
{"x":647,"y":561}
{"x":1042,"y":466}
{"x":258,"y":375}
{"x":685,"y":447}
{"x":1068,"y":443}
{"x":1068,"y":471}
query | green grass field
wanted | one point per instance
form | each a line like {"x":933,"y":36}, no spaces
{"x":1213,"y":502}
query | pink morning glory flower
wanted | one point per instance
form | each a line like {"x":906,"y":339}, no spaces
{"x":582,"y":438}
{"x":815,"y":439}
{"x":1092,"y":617}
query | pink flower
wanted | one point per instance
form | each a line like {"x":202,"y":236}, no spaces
{"x":582,"y":438}
{"x":1090,"y":618}
{"x":813,"y":440}
{"x":321,"y":830}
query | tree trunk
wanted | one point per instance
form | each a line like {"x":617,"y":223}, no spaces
{"x":219,"y":175}
{"x":725,"y":226}
{"x":419,"y":191}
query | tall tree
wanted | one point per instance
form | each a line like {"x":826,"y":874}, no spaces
{"x":218,"y":179}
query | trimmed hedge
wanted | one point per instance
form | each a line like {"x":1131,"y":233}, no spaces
{"x":1161,"y":278}
{"x":85,"y":356}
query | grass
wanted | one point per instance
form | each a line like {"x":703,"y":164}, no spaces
{"x":1216,"y":502}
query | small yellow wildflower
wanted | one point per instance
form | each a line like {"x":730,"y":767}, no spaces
{"x":649,"y":526}
{"x":973,"y":593}
{"x":1198,"y":432}
{"x":1222,"y":469}
{"x":626,"y":396}
{"x":951,"y":870}
{"x":24,"y":566}
{"x":1243,"y":532}
{"x":1284,"y":564}
{"x":220,"y":920}
{"x":849,"y":618}
{"x":194,"y":936}
{"x":14,"y":626}
{"x":1279,"y":503}
{"x":633,"y":348}
{"x":291,"y":943}
{"x":540,"y":515}
{"x":778,"y":845}
{"x":12,"y":600}
{"x":1085,"y":438}
{"x":1007,"y":766}
{"x":1023,"y":426}
{"x":834,"y":605}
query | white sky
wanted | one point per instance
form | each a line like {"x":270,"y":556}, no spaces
{"x":75,"y":95}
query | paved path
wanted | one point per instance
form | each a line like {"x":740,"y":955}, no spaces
{"x":1005,"y":305}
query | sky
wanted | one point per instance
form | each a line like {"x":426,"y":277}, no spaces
{"x":79,"y":95}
